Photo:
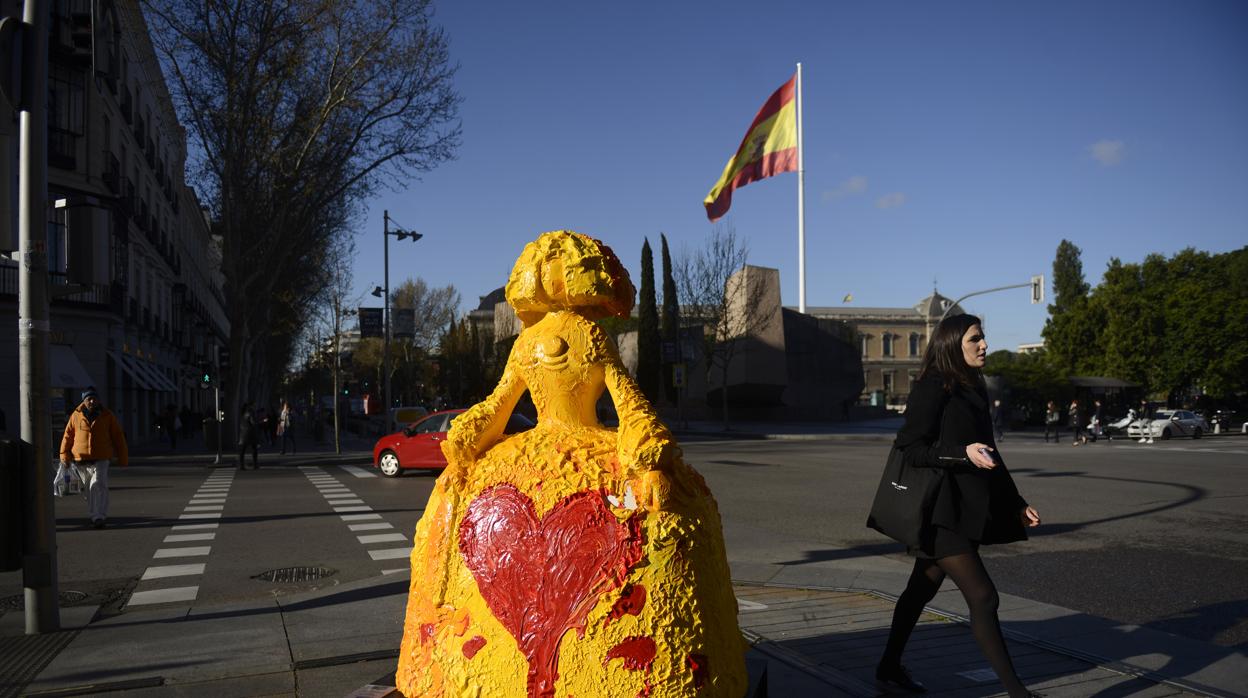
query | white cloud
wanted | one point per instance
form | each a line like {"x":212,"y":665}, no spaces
{"x":854,"y":185}
{"x":1108,"y":153}
{"x":892,"y":200}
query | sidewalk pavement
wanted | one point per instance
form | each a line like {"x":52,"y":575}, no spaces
{"x":192,"y":451}
{"x":816,"y":629}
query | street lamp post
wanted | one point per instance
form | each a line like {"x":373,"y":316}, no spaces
{"x":385,"y":293}
{"x":1036,"y":285}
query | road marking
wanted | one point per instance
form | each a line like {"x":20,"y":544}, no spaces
{"x":344,"y":495}
{"x":184,"y":552}
{"x":369,"y":527}
{"x":390,"y":553}
{"x":188,"y":537}
{"x":172,"y":571}
{"x":192,"y":527}
{"x":339,"y":502}
{"x":215,"y":515}
{"x":383,"y":538}
{"x":401,"y":569}
{"x":750,"y":605}
{"x":207,"y":500}
{"x":210,"y":507}
{"x":140,"y":598}
{"x":359,"y":517}
{"x":358,"y":472}
{"x":343,"y":510}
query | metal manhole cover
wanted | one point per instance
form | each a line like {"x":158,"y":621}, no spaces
{"x":294,"y":575}
{"x":17,"y":602}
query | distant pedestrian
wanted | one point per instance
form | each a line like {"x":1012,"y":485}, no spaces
{"x":92,"y":438}
{"x":1146,"y":424}
{"x":1052,"y":423}
{"x":1076,"y":424}
{"x":1095,"y":425}
{"x":173,"y":425}
{"x":976,"y":503}
{"x":285,"y":427}
{"x":248,"y":436}
{"x":997,"y":418}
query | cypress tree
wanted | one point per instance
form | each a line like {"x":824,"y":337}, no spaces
{"x":669,"y":329}
{"x":648,"y":355}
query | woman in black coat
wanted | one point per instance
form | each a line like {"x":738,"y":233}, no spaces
{"x":247,"y":436}
{"x":948,"y":426}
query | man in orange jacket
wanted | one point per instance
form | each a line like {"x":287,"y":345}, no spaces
{"x":92,"y":438}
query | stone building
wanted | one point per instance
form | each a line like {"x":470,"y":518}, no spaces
{"x":137,"y":304}
{"x":891,"y":343}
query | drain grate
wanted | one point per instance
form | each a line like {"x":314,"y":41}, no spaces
{"x":295,"y":575}
{"x":17,"y":602}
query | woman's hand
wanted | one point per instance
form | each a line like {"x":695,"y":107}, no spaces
{"x":1031,"y":517}
{"x":980,"y":456}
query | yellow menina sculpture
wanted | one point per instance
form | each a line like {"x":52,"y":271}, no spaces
{"x":571,"y":559}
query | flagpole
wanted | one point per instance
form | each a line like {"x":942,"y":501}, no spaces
{"x":801,"y":203}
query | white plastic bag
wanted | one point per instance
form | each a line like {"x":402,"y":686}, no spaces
{"x":68,"y":480}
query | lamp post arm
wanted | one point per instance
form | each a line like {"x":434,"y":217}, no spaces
{"x":980,"y":293}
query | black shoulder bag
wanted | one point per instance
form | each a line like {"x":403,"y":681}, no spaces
{"x":903,"y":501}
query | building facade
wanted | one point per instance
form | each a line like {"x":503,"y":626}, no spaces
{"x":137,"y":306}
{"x":892,"y":342}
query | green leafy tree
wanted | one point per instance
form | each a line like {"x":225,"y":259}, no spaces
{"x":1070,"y":335}
{"x":669,"y":321}
{"x":648,"y":356}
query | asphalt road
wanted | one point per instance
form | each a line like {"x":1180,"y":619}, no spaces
{"x":1153,"y":535}
{"x":1150,"y":535}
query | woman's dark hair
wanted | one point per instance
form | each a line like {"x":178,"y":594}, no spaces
{"x":944,"y":353}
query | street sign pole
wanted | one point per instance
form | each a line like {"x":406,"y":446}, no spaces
{"x":33,"y":326}
{"x":216,"y":414}
{"x":385,"y":342}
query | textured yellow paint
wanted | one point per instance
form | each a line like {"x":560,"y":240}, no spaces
{"x":559,"y":284}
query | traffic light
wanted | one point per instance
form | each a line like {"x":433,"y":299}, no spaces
{"x":205,"y":376}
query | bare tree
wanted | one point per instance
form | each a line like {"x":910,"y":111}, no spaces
{"x":729,"y":305}
{"x":433,"y":310}
{"x":299,"y":109}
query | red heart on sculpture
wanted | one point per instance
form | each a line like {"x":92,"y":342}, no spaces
{"x":541,"y":577}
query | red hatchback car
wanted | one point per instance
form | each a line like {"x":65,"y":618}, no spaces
{"x":419,"y":445}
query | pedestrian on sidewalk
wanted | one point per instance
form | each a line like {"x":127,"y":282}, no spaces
{"x":92,"y":438}
{"x":948,"y":426}
{"x":285,"y":427}
{"x":173,"y":425}
{"x":997,"y":417}
{"x":1096,"y":427}
{"x":1075,"y":414}
{"x":1146,"y":424}
{"x":248,"y":436}
{"x":1052,"y":423}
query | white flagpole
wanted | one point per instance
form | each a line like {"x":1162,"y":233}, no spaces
{"x":801,"y":203}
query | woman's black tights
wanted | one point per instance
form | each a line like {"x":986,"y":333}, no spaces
{"x":967,"y":571}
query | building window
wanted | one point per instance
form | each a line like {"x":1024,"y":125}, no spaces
{"x":888,"y":344}
{"x":888,"y":382}
{"x":912,"y":376}
{"x":915,"y":338}
{"x":65,"y":115}
{"x":866,"y":343}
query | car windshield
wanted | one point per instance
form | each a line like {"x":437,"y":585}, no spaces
{"x":1162,"y":415}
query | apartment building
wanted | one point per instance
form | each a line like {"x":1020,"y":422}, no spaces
{"x":136,"y":278}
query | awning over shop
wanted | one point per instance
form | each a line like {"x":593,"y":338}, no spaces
{"x":127,"y":364}
{"x":65,"y":370}
{"x":155,"y":378}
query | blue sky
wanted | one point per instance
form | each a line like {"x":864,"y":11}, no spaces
{"x":951,"y":141}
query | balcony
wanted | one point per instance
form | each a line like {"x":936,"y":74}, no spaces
{"x":112,"y":172}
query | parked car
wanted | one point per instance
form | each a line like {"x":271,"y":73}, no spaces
{"x":419,"y":445}
{"x":1168,"y":423}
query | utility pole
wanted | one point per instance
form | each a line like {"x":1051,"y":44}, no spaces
{"x":337,"y":365}
{"x":385,"y":292}
{"x":33,"y":326}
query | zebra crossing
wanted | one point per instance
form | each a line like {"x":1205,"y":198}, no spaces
{"x":166,"y":583}
{"x":359,"y":516}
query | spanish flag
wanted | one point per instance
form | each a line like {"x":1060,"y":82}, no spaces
{"x":769,"y":148}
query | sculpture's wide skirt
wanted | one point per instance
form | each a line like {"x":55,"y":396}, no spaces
{"x":542,"y":575}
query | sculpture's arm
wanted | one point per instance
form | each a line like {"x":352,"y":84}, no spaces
{"x":481,"y":425}
{"x":643,"y":442}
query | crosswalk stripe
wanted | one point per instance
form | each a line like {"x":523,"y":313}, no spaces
{"x":140,"y":598}
{"x":184,"y":552}
{"x":208,"y":500}
{"x":338,"y":502}
{"x":173,"y":571}
{"x":343,"y":510}
{"x":358,"y":472}
{"x":192,"y":527}
{"x":209,"y":507}
{"x":395,"y":571}
{"x":344,"y":495}
{"x":390,"y":553}
{"x":369,"y":527}
{"x":201,"y":515}
{"x":359,"y":517}
{"x":382,"y":538}
{"x":188,"y":537}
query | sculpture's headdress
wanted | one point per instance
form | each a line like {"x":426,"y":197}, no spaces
{"x":563,"y":270}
